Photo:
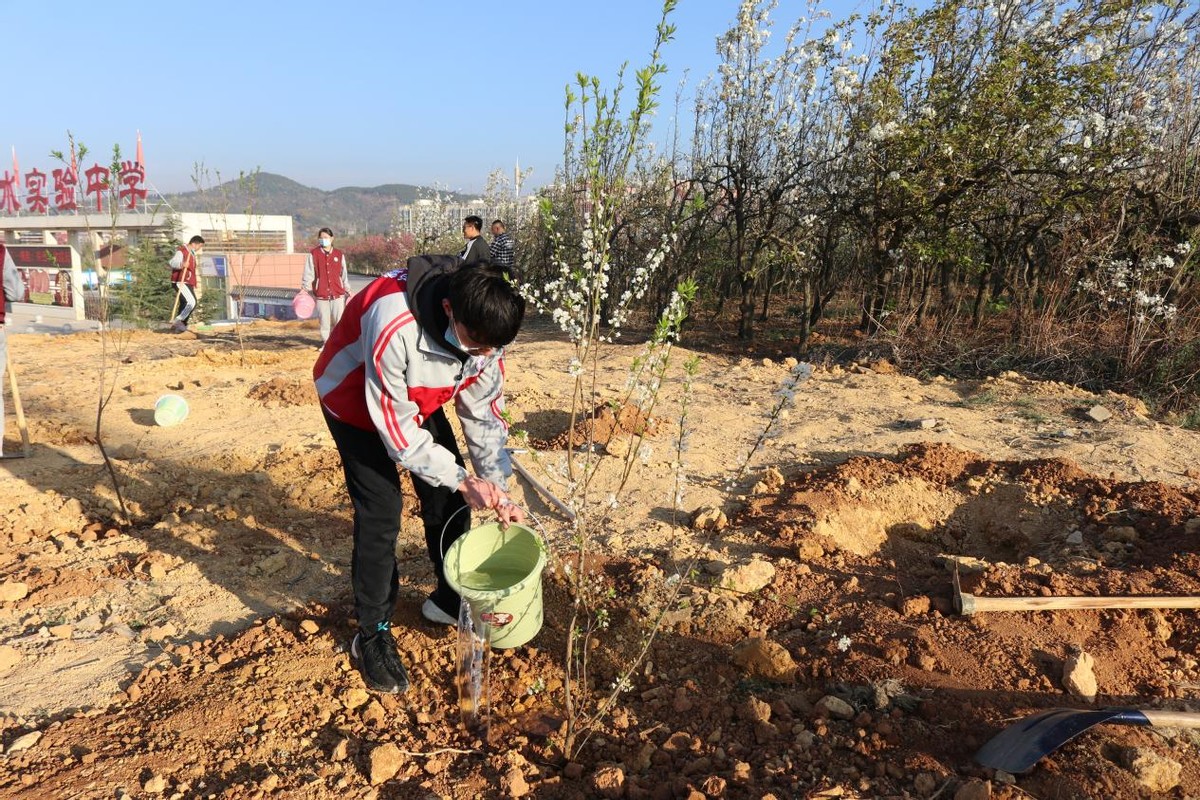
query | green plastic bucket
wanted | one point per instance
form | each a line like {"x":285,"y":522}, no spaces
{"x":499,"y":573}
{"x":170,"y":409}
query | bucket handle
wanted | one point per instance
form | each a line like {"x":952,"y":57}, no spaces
{"x":449,"y":519}
{"x":528,"y":515}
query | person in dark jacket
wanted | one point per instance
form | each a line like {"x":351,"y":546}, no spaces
{"x":476,"y":249}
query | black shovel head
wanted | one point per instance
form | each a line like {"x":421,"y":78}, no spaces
{"x":1021,"y":745}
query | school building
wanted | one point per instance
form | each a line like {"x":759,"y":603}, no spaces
{"x":248,"y":259}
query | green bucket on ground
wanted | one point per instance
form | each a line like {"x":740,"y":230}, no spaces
{"x":170,"y":409}
{"x":499,"y":573}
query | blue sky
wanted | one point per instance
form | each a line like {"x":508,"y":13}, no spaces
{"x":332,"y":94}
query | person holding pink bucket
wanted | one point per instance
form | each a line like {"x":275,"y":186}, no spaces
{"x":327,"y":276}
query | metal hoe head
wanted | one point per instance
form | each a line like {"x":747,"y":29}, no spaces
{"x":1020,"y":746}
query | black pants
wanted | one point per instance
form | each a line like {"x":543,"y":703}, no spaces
{"x":373,"y":481}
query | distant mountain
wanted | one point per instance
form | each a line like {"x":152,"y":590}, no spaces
{"x":350,"y":211}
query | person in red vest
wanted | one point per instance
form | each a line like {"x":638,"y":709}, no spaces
{"x":327,"y":276}
{"x":13,"y":292}
{"x":185,"y":266}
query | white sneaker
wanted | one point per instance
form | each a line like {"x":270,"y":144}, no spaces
{"x":431,"y":612}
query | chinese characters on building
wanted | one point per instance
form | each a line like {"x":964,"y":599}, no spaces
{"x":60,"y":190}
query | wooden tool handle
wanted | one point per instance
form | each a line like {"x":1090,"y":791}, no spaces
{"x":16,"y":396}
{"x":540,"y":489}
{"x":971,"y":604}
{"x":1172,"y":719}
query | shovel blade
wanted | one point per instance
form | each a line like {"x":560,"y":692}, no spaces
{"x":1017,"y":748}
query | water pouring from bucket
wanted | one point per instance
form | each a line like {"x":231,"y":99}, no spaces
{"x":497,"y":571}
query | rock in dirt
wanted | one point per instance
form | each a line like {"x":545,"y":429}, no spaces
{"x":748,"y":578}
{"x":155,"y":784}
{"x":353,"y":698}
{"x":609,"y":781}
{"x":709,"y":518}
{"x":9,"y":658}
{"x":309,"y":626}
{"x":514,"y":783}
{"x":974,"y":790}
{"x":771,"y":481}
{"x":755,"y":710}
{"x":765,"y":659}
{"x":1157,"y":773}
{"x":1159,"y":627}
{"x":915,"y":606}
{"x":373,"y":715}
{"x":1121,"y":533}
{"x":24,"y":742}
{"x":386,"y":761}
{"x":925,"y":784}
{"x":835,"y":707}
{"x":12,"y":591}
{"x":1099,"y":413}
{"x":966,"y":565}
{"x":810,"y":550}
{"x":1078,"y":678}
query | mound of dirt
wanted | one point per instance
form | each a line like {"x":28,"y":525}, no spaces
{"x":602,"y":427}
{"x":282,"y":392}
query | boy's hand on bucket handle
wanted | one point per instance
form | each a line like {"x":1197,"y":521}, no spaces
{"x":480,"y":493}
{"x":509,"y":512}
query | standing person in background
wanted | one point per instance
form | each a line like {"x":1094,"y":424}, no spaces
{"x":14,"y":291}
{"x":501,"y":250}
{"x":327,"y":276}
{"x":185,"y":266}
{"x":476,"y":249}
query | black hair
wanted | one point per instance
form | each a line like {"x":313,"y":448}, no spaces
{"x":474,"y":221}
{"x":196,"y":240}
{"x":326,"y":230}
{"x":486,"y":303}
{"x":499,"y":222}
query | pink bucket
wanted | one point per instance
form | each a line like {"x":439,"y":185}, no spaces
{"x":303,"y":304}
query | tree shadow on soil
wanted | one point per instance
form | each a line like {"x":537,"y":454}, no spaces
{"x":254,"y":558}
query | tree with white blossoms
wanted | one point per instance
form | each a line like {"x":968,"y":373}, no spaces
{"x":762,"y":131}
{"x":432,"y":226}
{"x":604,"y":146}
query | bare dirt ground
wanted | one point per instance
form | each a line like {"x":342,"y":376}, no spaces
{"x":200,"y":650}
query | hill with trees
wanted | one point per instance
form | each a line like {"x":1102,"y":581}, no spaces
{"x":350,"y":210}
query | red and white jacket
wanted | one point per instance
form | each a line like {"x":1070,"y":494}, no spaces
{"x":383,"y":369}
{"x":183,"y":266}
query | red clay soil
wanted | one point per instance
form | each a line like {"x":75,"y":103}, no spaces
{"x":860,"y":599}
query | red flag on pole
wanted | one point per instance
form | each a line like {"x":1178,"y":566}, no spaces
{"x":141,"y":162}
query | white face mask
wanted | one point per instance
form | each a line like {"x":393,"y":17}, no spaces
{"x":325,"y":242}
